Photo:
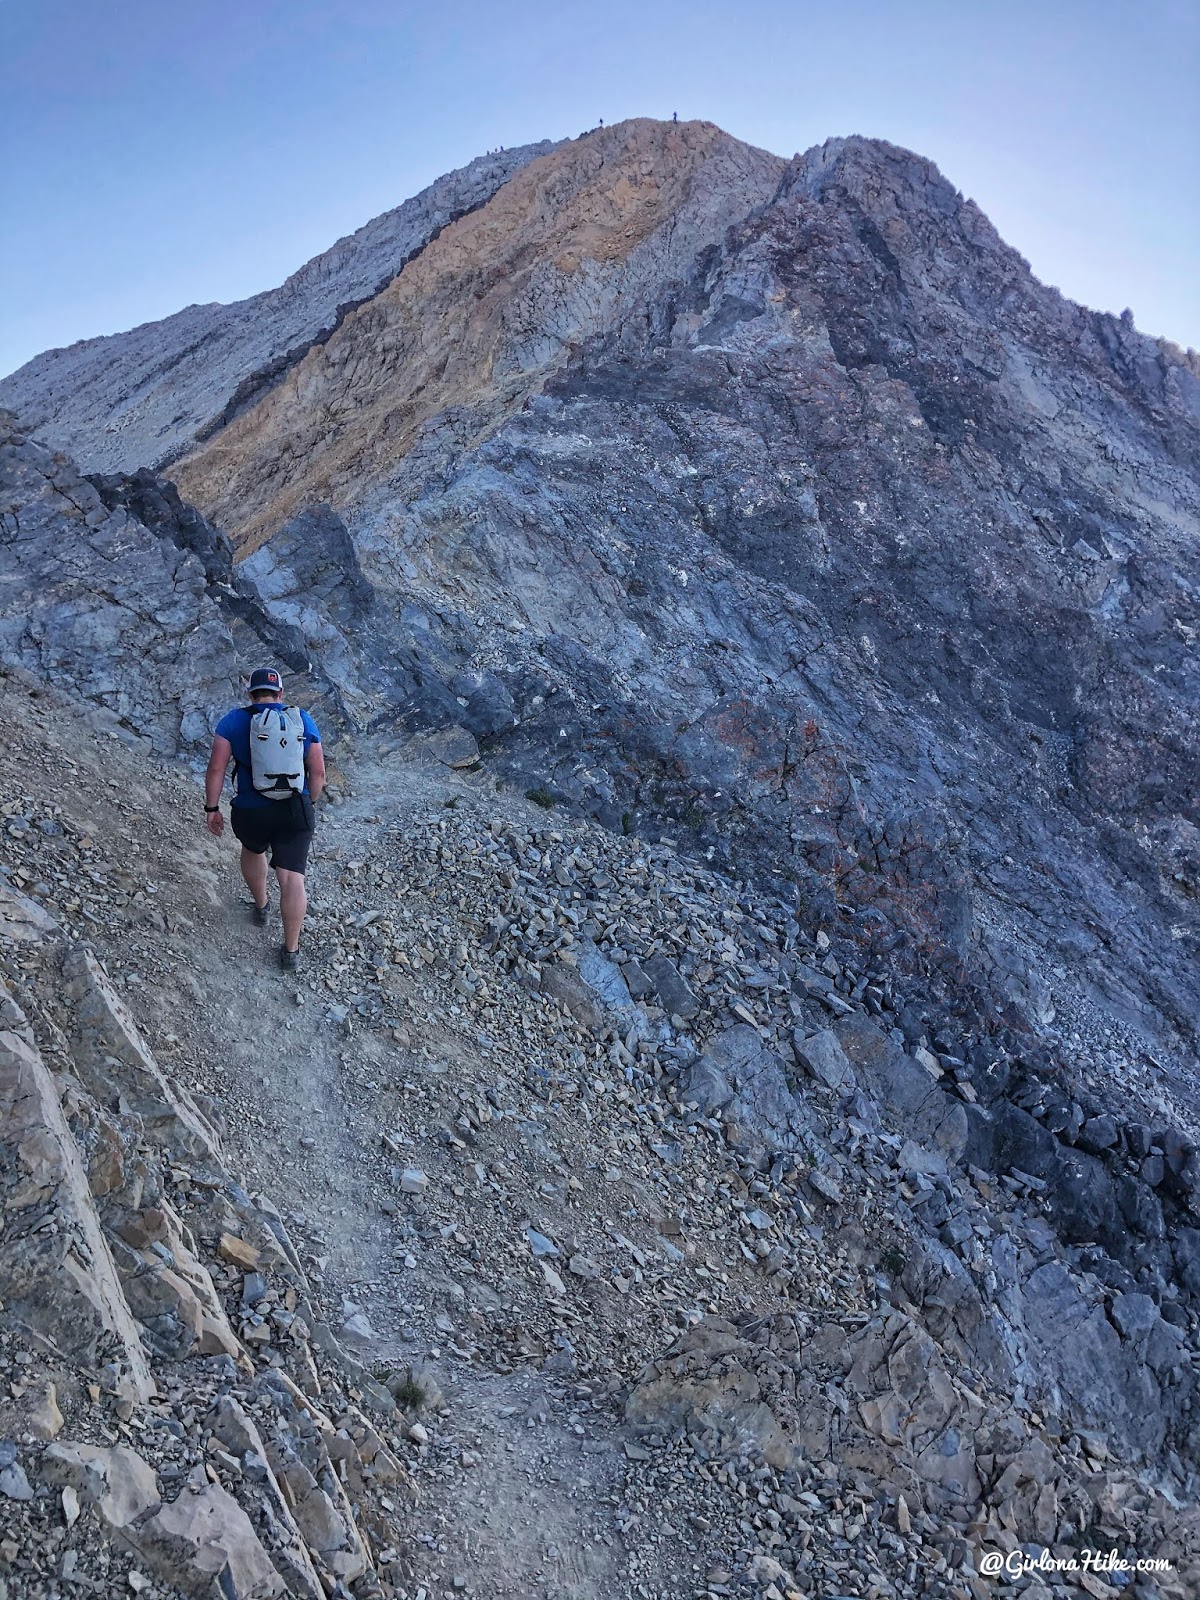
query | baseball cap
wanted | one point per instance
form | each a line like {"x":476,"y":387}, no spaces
{"x":266,"y":678}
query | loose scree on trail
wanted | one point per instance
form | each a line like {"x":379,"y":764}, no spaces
{"x":734,"y":1129}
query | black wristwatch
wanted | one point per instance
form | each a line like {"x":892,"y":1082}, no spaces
{"x":212,"y":808}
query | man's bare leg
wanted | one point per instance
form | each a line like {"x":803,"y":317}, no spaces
{"x":254,"y":871}
{"x":293,"y":903}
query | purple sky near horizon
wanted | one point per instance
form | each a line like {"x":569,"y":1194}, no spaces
{"x":155,"y":156}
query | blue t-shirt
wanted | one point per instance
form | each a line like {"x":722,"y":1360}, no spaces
{"x":235,"y":726}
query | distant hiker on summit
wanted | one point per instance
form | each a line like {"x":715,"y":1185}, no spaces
{"x":279,"y":772}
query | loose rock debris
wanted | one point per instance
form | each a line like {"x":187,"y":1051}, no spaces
{"x":576,"y":1223}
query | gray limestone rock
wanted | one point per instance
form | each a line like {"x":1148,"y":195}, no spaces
{"x":1098,"y":1134}
{"x":1019,"y":1140}
{"x":1081,"y":1357}
{"x":204,"y":1543}
{"x":673,"y":993}
{"x":908,"y":1096}
{"x":1083,"y":1199}
{"x":56,"y":1268}
{"x":564,"y":984}
{"x":824,"y":1057}
{"x":453,"y":747}
{"x":636,"y":979}
{"x":14,"y":1482}
{"x":92,"y":600}
{"x":116,"y":1480}
{"x":760,"y":1110}
{"x":1133,"y":1315}
{"x":130,"y":599}
{"x":705,"y":1085}
{"x":1187,"y":1258}
{"x":604,"y":978}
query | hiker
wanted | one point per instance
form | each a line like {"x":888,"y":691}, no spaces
{"x":279,"y":772}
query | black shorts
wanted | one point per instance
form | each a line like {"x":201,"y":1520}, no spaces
{"x":284,"y":827}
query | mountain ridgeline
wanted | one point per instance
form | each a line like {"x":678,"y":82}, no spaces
{"x":772,"y":506}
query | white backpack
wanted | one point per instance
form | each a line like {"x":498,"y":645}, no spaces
{"x":277,"y":752}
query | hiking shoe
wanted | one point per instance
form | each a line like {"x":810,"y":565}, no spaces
{"x":259,"y":914}
{"x":289,"y":960}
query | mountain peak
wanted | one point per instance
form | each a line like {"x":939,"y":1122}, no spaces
{"x":141,"y":398}
{"x":575,"y":245}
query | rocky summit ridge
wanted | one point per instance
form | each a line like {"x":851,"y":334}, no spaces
{"x":126,"y":401}
{"x":754,"y":1013}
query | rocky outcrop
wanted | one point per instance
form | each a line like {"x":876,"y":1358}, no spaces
{"x":103,"y":1278}
{"x":138,"y":399}
{"x":117,"y":589}
{"x":56,"y":1267}
{"x":93,"y":599}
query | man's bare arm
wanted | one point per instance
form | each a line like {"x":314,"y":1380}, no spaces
{"x":315,"y":766}
{"x":218,"y":766}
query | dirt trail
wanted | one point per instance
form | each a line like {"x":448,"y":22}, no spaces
{"x":521,"y":1478}
{"x":525,"y":1487}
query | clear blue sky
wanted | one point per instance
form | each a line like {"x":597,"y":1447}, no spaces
{"x":158,"y":152}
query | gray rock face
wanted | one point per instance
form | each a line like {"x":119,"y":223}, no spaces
{"x":118,"y":1481}
{"x":706,"y":1086}
{"x":740,"y":1076}
{"x":130,"y":598}
{"x":1096,"y":1373}
{"x":204,"y":1541}
{"x":671,"y":989}
{"x":911,"y":1099}
{"x":56,"y":1268}
{"x":824,"y":1057}
{"x":137,"y":399}
{"x":92,"y":599}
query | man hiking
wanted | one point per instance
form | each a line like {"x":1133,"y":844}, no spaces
{"x":279,"y":773}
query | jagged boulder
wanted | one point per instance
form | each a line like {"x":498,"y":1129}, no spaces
{"x":203,"y":1543}
{"x":116,"y":1480}
{"x":904,"y":1089}
{"x":114,"y":1062}
{"x":705,"y":1383}
{"x":56,"y":1270}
